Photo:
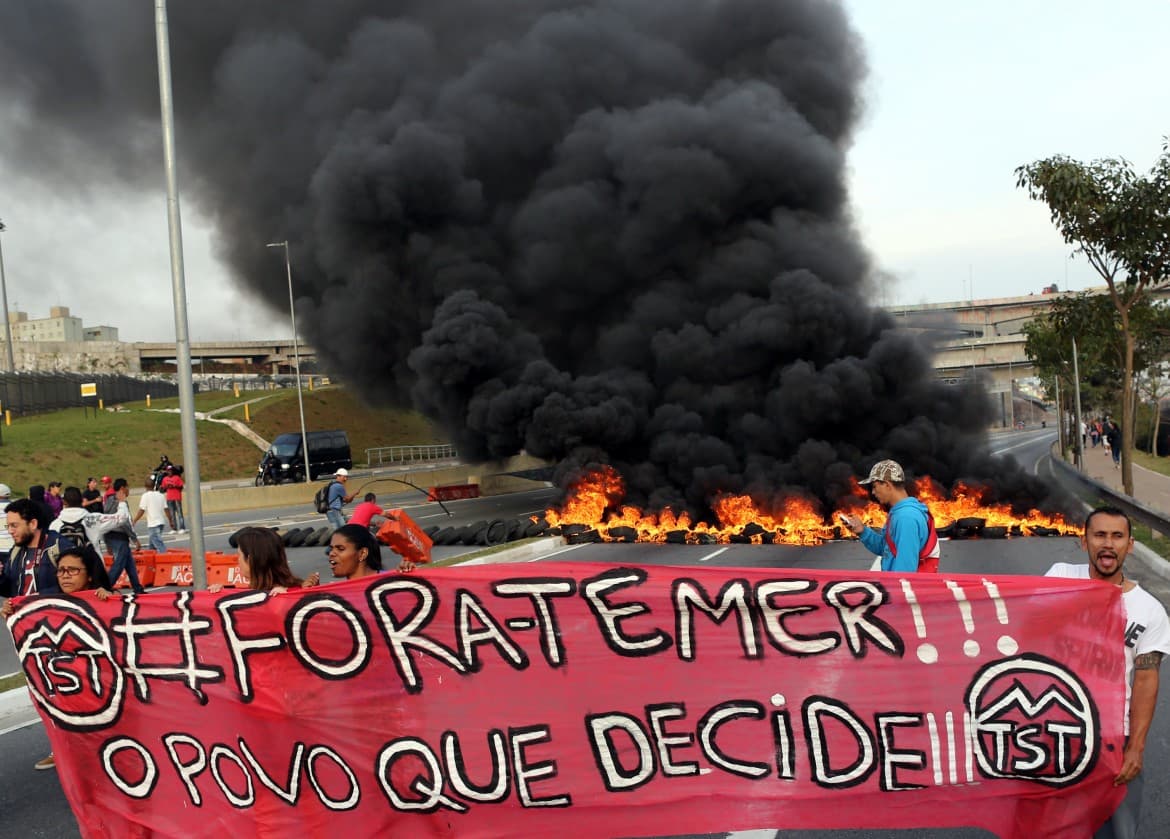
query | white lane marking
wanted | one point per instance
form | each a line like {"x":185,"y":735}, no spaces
{"x":19,"y":726}
{"x":555,"y":553}
{"x":435,"y":516}
{"x":712,"y":555}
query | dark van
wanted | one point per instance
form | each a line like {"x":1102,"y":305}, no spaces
{"x":328,"y":452}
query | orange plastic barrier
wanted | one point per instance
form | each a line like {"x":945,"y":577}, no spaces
{"x":173,"y":568}
{"x":453,"y":492}
{"x":144,"y":561}
{"x":405,"y":538}
{"x":224,"y":569}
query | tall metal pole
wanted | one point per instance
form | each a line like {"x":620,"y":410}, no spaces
{"x":179,"y":290}
{"x":4,"y":301}
{"x":1060,"y":417}
{"x":292,"y":310}
{"x":1077,"y":408}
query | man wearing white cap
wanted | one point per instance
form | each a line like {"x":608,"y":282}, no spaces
{"x":908,"y":542}
{"x":337,"y":497}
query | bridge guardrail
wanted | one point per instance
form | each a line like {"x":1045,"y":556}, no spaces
{"x":384,"y":455}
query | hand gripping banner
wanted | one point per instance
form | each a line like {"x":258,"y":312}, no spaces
{"x":586,"y":700}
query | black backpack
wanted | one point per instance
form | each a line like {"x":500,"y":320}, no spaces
{"x":74,"y":531}
{"x":321,"y":498}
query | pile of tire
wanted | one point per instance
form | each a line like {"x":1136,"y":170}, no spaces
{"x":488,"y":533}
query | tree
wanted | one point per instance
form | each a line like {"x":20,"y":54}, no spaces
{"x":1120,"y":222}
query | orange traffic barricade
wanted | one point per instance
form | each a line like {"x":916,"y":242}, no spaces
{"x":224,"y":569}
{"x":144,"y":561}
{"x":173,"y":568}
{"x":404,"y":537}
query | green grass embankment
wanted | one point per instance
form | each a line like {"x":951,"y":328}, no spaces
{"x":71,"y":445}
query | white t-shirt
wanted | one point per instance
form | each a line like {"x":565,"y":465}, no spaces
{"x":155,"y":505}
{"x":1147,"y":628}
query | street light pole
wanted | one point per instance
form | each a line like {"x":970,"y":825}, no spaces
{"x":1077,"y":406}
{"x":4,"y":301}
{"x":292,"y":310}
{"x":179,"y":295}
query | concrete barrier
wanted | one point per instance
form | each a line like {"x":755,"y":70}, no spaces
{"x":493,"y":479}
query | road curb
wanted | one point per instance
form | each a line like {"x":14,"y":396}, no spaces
{"x":16,"y":708}
{"x":520,"y":553}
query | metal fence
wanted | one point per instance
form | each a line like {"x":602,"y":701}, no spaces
{"x":36,"y":393}
{"x":389,"y":455}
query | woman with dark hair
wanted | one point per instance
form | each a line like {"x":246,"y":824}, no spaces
{"x":354,"y":552}
{"x":76,"y":571}
{"x":263,"y":561}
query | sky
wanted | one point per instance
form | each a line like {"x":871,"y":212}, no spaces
{"x":958,"y":96}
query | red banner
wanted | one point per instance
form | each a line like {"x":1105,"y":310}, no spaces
{"x":586,"y":700}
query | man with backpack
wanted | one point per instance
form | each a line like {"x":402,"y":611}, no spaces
{"x":908,"y":542}
{"x":335,"y":497}
{"x":81,"y":527}
{"x":119,"y":538}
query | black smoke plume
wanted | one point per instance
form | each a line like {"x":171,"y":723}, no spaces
{"x":612,"y":231}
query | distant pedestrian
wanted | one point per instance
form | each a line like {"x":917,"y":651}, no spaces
{"x":91,"y":496}
{"x":153,"y":504}
{"x":1113,"y":438}
{"x":36,"y":494}
{"x":107,"y":490}
{"x":1095,"y":433}
{"x":118,"y":540}
{"x":53,"y":499}
{"x":337,"y":498}
{"x":5,"y":538}
{"x":172,"y":485}
{"x":363,"y":514}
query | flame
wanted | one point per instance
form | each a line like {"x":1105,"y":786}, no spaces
{"x":594,"y":500}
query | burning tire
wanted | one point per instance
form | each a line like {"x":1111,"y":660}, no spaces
{"x":582,"y":537}
{"x":623,"y":534}
{"x":536,"y":528}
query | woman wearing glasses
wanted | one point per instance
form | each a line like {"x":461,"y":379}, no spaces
{"x":76,"y":572}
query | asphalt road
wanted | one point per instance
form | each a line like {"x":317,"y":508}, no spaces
{"x":33,"y":805}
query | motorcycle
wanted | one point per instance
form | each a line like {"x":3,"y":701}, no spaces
{"x":269,"y":472}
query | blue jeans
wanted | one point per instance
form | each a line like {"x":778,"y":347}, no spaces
{"x":1124,"y":822}
{"x":336,"y":519}
{"x":123,"y":561}
{"x":155,"y":540}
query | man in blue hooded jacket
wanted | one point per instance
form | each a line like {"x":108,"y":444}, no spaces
{"x":908,"y":542}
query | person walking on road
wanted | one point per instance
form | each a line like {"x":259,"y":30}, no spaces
{"x":172,"y":485}
{"x":1113,"y":438}
{"x":337,"y":498}
{"x":908,"y":542}
{"x":1107,"y":540}
{"x":118,"y":539}
{"x":153,"y":504}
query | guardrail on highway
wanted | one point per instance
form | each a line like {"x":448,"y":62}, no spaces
{"x":409,"y":454}
{"x":1156,"y":520}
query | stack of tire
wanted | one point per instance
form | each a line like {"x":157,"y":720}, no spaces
{"x":484,"y":532}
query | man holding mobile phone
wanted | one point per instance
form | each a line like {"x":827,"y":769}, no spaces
{"x":908,"y":542}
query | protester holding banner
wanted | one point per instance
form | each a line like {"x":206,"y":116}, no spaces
{"x":77,"y":570}
{"x":908,"y":542}
{"x":263,"y":561}
{"x":354,"y":552}
{"x":1107,"y":540}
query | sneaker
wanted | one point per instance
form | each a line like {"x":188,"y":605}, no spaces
{"x":46,"y":763}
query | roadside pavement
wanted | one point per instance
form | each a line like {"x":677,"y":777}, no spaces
{"x":1149,"y":487}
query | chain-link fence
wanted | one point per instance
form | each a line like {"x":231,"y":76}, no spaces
{"x":36,"y":393}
